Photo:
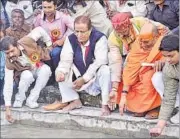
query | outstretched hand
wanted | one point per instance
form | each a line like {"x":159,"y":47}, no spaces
{"x":9,"y":116}
{"x":112,"y":100}
{"x":155,"y":132}
{"x":122,"y":104}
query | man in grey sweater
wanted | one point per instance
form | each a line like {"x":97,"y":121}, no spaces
{"x":170,"y":50}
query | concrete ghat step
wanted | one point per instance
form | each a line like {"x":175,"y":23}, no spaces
{"x":88,"y":118}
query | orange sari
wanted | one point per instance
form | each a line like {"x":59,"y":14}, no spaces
{"x":142,"y":96}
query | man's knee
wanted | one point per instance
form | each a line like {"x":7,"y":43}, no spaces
{"x":45,"y":70}
{"x":27,"y":76}
{"x":56,"y":52}
{"x":157,"y":78}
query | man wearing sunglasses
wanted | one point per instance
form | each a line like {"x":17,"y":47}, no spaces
{"x":83,"y":66}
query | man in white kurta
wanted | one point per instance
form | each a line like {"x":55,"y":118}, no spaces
{"x":95,"y":79}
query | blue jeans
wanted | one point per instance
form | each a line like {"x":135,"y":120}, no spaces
{"x":55,"y":56}
{"x":1,"y":91}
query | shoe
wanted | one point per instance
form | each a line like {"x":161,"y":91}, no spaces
{"x":17,"y":104}
{"x":175,"y":118}
{"x":32,"y":104}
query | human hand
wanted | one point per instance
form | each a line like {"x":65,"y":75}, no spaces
{"x":163,"y":31}
{"x":112,"y":99}
{"x":58,"y":43}
{"x":122,"y":104}
{"x":155,"y":132}
{"x":36,"y":12}
{"x":8,"y":115}
{"x":158,"y":65}
{"x":60,"y":77}
{"x":78,"y":83}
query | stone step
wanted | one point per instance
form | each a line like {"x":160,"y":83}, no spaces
{"x":89,"y":119}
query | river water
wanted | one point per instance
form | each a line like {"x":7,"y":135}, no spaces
{"x":27,"y":131}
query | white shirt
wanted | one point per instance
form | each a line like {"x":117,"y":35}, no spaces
{"x":24,"y":5}
{"x":100,"y":53}
{"x":138,"y":7}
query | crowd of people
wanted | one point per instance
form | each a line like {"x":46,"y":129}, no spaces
{"x":127,"y":51}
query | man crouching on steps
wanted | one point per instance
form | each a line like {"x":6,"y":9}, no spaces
{"x":83,"y":66}
{"x":24,"y":63}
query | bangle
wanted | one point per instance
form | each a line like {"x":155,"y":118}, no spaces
{"x":125,"y":92}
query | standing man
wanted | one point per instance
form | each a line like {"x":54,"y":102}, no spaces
{"x":133,"y":8}
{"x":83,"y":66}
{"x":94,"y":10}
{"x":167,"y":13}
{"x":57,"y":24}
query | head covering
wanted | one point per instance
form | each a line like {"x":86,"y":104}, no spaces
{"x":170,"y":43}
{"x":147,"y":31}
{"x":120,"y":19}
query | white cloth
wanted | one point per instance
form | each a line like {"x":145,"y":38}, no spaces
{"x":41,"y":75}
{"x":96,"y":13}
{"x":39,"y":33}
{"x":157,"y":81}
{"x":136,"y":7}
{"x":100,"y":84}
{"x":100,"y":53}
{"x":24,"y":5}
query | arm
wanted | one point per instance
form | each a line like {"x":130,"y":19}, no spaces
{"x":66,"y":58}
{"x":38,"y":33}
{"x":176,"y":8}
{"x":171,"y":85}
{"x":8,"y":86}
{"x":36,"y":21}
{"x":69,"y":22}
{"x":115,"y":62}
{"x":138,"y":9}
{"x":100,"y":48}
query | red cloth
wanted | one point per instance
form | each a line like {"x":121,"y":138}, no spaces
{"x":86,"y":51}
{"x":119,"y":18}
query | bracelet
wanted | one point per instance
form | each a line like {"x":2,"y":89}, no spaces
{"x":125,"y":92}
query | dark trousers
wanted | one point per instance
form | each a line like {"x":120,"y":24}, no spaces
{"x":1,"y":91}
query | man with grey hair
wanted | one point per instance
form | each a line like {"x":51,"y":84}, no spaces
{"x":83,"y":67}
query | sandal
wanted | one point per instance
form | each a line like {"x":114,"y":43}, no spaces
{"x":152,"y":114}
{"x":139,"y":114}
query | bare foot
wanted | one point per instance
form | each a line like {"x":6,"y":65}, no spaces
{"x":9,"y":116}
{"x":73,"y":105}
{"x":105,"y":111}
{"x":55,"y":106}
